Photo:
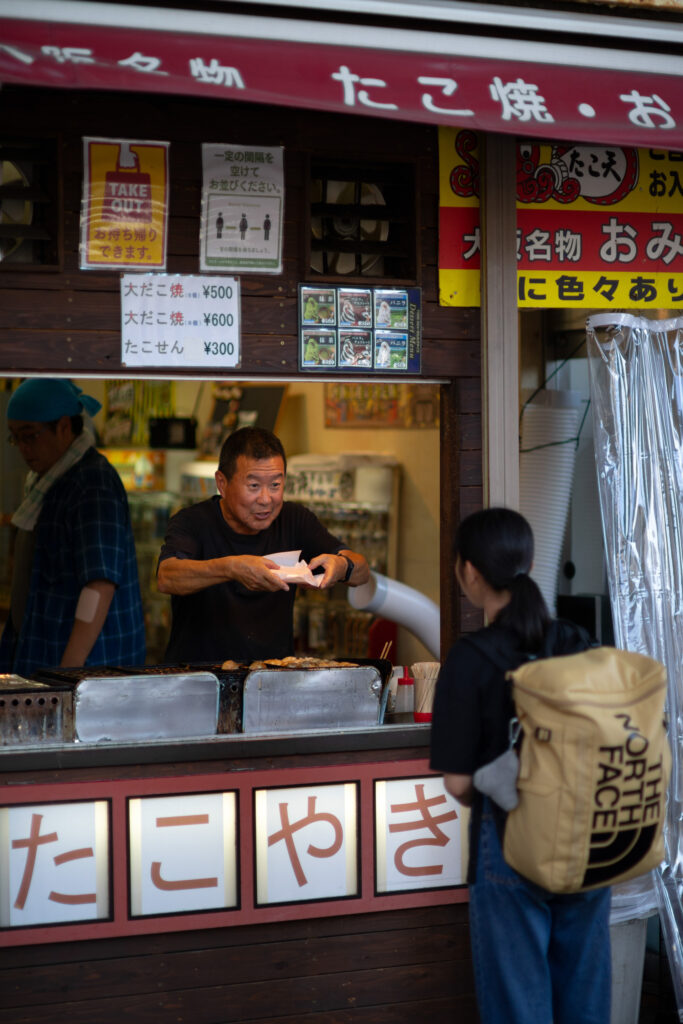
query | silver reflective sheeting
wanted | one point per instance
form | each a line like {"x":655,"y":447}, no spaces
{"x":636,"y":374}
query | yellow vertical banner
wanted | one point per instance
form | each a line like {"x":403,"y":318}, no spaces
{"x":459,"y":234}
{"x":598,"y":226}
{"x":124,"y":205}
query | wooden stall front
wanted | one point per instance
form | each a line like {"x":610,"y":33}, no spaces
{"x":57,"y":319}
{"x":372,"y":958}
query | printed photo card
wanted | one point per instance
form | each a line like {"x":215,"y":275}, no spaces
{"x":367,"y":330}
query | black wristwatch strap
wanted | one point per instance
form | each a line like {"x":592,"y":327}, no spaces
{"x":351,"y":566}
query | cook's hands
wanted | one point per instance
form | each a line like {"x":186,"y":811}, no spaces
{"x":335,"y":569}
{"x":188,"y":576}
{"x":254,"y":572}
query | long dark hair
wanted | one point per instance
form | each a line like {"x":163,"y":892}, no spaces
{"x":500,"y":544}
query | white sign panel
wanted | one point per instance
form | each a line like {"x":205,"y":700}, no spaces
{"x":183,"y":853}
{"x":243,"y":197}
{"x":54,"y":863}
{"x":417,"y":835}
{"x":306,"y":843}
{"x":179,"y":320}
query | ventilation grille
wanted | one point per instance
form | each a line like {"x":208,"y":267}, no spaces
{"x":362,"y":220}
{"x":29,"y":209}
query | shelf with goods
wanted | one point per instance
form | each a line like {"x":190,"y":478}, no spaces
{"x":156,"y":486}
{"x":149,"y":513}
{"x":356,"y":497}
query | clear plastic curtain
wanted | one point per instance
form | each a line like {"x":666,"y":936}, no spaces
{"x":636,"y":377}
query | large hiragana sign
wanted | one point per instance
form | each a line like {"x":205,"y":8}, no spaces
{"x":122,"y":857}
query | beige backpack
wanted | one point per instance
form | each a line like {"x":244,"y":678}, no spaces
{"x":594,"y":769}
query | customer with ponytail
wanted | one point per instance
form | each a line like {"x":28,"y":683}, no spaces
{"x":539,"y":958}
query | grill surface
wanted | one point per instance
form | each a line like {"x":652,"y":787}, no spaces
{"x":34,"y":712}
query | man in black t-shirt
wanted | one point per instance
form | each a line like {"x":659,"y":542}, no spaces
{"x":226,"y":600}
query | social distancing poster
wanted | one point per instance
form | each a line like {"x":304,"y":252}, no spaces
{"x":243,"y":198}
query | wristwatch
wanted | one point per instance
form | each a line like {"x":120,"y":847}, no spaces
{"x":350,"y":567}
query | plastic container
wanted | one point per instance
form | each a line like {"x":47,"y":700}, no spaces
{"x":396,"y":673}
{"x":405,"y":694}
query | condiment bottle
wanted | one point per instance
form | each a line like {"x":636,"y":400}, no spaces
{"x":405,"y":694}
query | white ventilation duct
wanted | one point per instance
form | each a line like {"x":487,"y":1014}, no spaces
{"x":402,"y":604}
{"x":546,"y":469}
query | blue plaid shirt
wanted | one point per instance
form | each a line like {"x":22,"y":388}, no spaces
{"x":83,"y":534}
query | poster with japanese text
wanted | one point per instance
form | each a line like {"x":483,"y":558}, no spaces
{"x":420,"y":835}
{"x":183,"y":853}
{"x":124,"y":205}
{"x":598,"y":226}
{"x":54,"y":863}
{"x":243,"y":193}
{"x":378,"y":405}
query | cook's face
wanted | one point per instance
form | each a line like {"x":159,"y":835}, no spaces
{"x":40,"y":446}
{"x":251,"y":500}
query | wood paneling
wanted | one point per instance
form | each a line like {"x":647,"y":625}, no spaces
{"x":74,"y":315}
{"x":389,"y":968}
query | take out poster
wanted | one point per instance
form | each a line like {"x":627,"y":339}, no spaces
{"x":124,"y":205}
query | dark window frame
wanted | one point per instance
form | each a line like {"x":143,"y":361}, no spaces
{"x":41,"y":160}
{"x":398,"y":183}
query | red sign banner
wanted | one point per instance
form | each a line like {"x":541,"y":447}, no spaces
{"x":595,"y":97}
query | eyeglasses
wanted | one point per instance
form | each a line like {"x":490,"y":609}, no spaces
{"x":26,"y":437}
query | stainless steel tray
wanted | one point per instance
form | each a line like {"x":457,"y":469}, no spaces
{"x":150,"y":707}
{"x":292,"y":700}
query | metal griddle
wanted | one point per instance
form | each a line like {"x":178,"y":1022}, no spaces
{"x":128,"y":704}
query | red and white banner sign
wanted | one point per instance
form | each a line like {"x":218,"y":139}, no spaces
{"x":622,"y":101}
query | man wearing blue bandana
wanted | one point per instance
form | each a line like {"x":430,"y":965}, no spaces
{"x":75,"y":593}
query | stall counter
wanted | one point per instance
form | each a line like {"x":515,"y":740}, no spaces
{"x":112,"y":839}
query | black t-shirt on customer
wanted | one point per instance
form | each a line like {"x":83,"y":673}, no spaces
{"x":227,"y":620}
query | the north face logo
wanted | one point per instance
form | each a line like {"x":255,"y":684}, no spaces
{"x":628,"y":804}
